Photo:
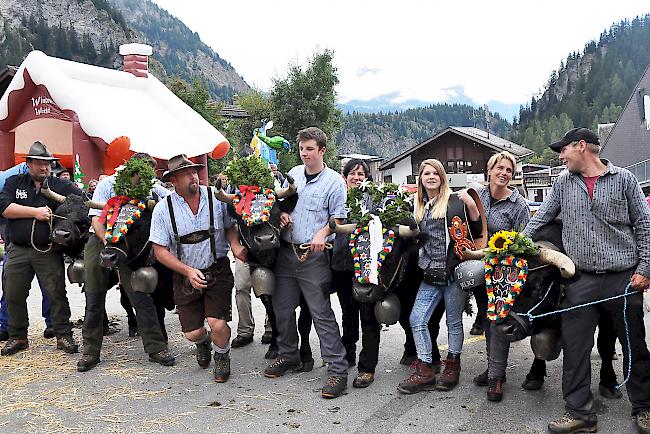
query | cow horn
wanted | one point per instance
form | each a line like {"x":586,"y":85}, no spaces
{"x":560,"y":260}
{"x":220,"y":194}
{"x":474,"y":254}
{"x":405,"y":231}
{"x":94,"y":204}
{"x":281,"y":193}
{"x":45,"y":189}
{"x":347,"y":228}
{"x":151,"y":204}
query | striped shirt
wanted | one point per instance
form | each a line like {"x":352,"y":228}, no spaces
{"x":318,"y":200}
{"x":196,"y":255}
{"x":511,"y":213}
{"x":611,"y":232}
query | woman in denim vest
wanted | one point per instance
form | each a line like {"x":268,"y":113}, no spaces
{"x":437,"y":260}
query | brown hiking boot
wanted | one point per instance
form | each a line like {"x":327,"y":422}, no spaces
{"x":13,"y":346}
{"x":67,"y":344}
{"x":423,"y":378}
{"x":449,"y":377}
{"x":495,"y":389}
{"x":642,"y":422}
{"x":569,"y":424}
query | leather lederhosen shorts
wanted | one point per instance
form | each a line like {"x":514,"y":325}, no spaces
{"x":215,"y":301}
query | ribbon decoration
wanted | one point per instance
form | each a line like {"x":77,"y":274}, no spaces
{"x":113,"y":203}
{"x":247,"y":195}
{"x":376,"y":246}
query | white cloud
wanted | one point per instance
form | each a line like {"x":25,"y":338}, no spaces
{"x":501,"y":51}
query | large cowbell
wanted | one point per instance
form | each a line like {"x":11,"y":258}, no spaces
{"x":363,"y":290}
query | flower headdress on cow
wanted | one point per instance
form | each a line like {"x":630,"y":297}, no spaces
{"x":256,"y":196}
{"x":122,"y":210}
{"x":506,"y":271}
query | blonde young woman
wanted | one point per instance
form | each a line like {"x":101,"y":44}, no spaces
{"x":437,"y":261}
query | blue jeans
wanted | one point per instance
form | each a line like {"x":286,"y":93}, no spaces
{"x":4,"y":315}
{"x":425,"y":302}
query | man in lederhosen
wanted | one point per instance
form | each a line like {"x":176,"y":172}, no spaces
{"x":29,"y":251}
{"x":191,"y":231}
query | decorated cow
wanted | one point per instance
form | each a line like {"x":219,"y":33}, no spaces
{"x":525,"y":281}
{"x":257,"y":209}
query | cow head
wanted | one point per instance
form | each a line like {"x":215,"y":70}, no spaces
{"x":71,"y":222}
{"x":542,"y":289}
{"x":257,"y":213}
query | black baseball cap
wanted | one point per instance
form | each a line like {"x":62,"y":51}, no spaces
{"x":575,"y":135}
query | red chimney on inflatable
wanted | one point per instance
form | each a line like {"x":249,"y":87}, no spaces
{"x":136,"y":58}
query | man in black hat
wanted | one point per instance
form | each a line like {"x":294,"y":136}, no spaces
{"x":191,"y":233}
{"x":606,"y":232}
{"x":30,"y":251}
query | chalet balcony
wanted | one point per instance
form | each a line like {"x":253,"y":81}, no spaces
{"x":642,"y":172}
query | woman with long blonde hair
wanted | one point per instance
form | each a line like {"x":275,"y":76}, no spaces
{"x":435,"y":205}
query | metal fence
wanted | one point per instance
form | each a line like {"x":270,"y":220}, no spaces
{"x":642,"y":171}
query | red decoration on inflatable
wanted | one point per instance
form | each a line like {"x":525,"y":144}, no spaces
{"x":220,"y":150}
{"x":117,"y":153}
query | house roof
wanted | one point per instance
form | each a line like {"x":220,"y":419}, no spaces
{"x":233,"y":111}
{"x":111,"y":103}
{"x":490,"y":140}
{"x":629,"y":140}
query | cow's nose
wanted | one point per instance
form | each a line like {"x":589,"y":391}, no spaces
{"x":61,"y":236}
{"x":266,"y":238}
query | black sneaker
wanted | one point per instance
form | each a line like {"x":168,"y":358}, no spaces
{"x":280,"y":366}
{"x":48,"y":333}
{"x":334,"y":386}
{"x":13,"y":346}
{"x":267,"y":337}
{"x":87,"y":362}
{"x":221,"y":367}
{"x":67,"y":344}
{"x":204,"y":353}
{"x":163,"y":358}
{"x":241,"y":341}
{"x":568,"y":424}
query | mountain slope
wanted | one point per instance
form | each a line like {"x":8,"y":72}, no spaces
{"x":90,"y":31}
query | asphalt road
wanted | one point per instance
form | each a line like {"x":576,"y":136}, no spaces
{"x":40,"y":390}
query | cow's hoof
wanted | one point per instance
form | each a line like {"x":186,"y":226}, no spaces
{"x":407,"y":360}
{"x":532,"y":383}
{"x":609,"y":392}
{"x":133,"y":332}
{"x":307,"y":365}
{"x":271,"y":354}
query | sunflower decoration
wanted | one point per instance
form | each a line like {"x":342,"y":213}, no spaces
{"x":511,"y":243}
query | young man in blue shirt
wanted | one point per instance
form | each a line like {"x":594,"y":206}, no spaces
{"x":302,"y":266}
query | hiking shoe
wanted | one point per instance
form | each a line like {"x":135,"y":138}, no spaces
{"x":280,"y":366}
{"x":221,"y":367}
{"x":241,"y":341}
{"x":87,"y":362}
{"x":364,"y":379}
{"x":204,"y":352}
{"x":423,"y":378}
{"x":4,"y":335}
{"x":13,"y":346}
{"x":48,"y":333}
{"x":267,"y":337}
{"x":163,"y":358}
{"x":568,"y":424}
{"x":642,"y":422}
{"x":532,"y":382}
{"x":495,"y":389}
{"x":449,"y":377}
{"x":334,"y":386}
{"x":67,"y":344}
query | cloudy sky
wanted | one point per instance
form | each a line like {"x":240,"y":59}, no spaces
{"x":496,"y":50}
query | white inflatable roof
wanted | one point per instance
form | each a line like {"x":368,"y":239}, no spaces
{"x":111,"y":103}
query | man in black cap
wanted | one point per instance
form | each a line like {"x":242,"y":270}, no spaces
{"x":606,"y":232}
{"x":30,"y":251}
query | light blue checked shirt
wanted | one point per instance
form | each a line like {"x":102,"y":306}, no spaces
{"x":105,"y":190}
{"x":318,"y":199}
{"x":195,"y":255}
